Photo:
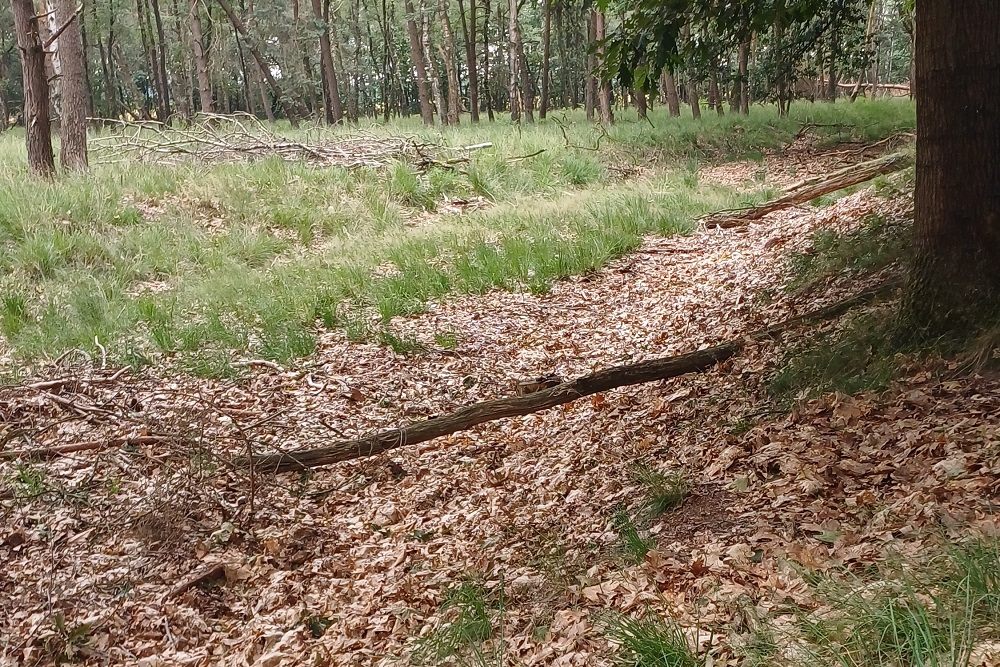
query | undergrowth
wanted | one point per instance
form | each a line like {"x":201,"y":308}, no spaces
{"x":650,"y":641}
{"x":470,"y":617}
{"x":158,"y":261}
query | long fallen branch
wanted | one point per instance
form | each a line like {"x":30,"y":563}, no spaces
{"x":809,"y":189}
{"x":566,"y":392}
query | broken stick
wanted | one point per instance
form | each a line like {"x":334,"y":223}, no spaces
{"x":566,"y":392}
{"x":807,"y":190}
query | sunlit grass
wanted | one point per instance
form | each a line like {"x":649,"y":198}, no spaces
{"x":154,"y":260}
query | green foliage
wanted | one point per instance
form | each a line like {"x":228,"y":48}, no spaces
{"x":632,"y":544}
{"x":663,"y":490}
{"x":861,"y":355}
{"x":470,"y":616}
{"x":650,"y":642}
{"x":876,"y":244}
{"x":207,"y":265}
{"x":929,"y":613}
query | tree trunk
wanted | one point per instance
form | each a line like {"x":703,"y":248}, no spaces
{"x":590,"y":85}
{"x":448,"y":55}
{"x":512,"y":40}
{"x":604,"y":89}
{"x":641,"y":106}
{"x":744,"y":70}
{"x":262,"y":64}
{"x":486,"y":60}
{"x":38,"y":131}
{"x":161,"y":59}
{"x":469,"y":31}
{"x":714,"y":95}
{"x":419,"y":65}
{"x":73,"y":120}
{"x":955,"y":280}
{"x":564,"y":87}
{"x":543,"y":104}
{"x":333,"y":111}
{"x":432,"y":71}
{"x":670,"y":92}
{"x":200,"y":59}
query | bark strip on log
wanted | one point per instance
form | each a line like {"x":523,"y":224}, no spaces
{"x":807,"y":190}
{"x":493,"y":410}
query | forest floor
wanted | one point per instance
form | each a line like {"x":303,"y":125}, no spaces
{"x":521,"y":542}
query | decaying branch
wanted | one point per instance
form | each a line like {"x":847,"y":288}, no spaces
{"x":809,"y":189}
{"x":565,"y":392}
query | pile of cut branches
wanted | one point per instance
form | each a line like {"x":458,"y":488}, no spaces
{"x":218,"y":138}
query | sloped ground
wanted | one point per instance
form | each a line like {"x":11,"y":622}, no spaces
{"x":347,"y":565}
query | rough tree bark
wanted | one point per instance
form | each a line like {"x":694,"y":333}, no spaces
{"x":469,"y":32}
{"x":955,"y":279}
{"x":543,"y":104}
{"x":333,"y":110}
{"x":38,"y":131}
{"x":200,"y":58}
{"x":670,"y":93}
{"x":417,"y":56}
{"x":448,"y":55}
{"x":161,"y":59}
{"x":73,"y":118}
{"x":604,"y":88}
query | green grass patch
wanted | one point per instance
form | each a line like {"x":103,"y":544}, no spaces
{"x":470,"y":618}
{"x":650,"y":642}
{"x":876,"y":244}
{"x":250,"y":259}
{"x":663,"y":490}
{"x":931,"y":612}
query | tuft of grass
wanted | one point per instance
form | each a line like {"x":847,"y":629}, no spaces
{"x":470,"y":616}
{"x":632,"y":544}
{"x":859,"y":356}
{"x":404,"y":345}
{"x":650,"y":642}
{"x":930,"y":613}
{"x":877,"y":243}
{"x":663,"y":490}
{"x":29,"y":481}
{"x":446,"y":340}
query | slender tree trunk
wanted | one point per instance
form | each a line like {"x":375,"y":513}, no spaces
{"x":419,"y":64}
{"x":955,"y":281}
{"x":200,"y":58}
{"x":543,"y":105}
{"x":744,"y":76}
{"x":161,"y":59}
{"x":262,"y":64}
{"x":713,"y":91}
{"x":469,"y":31}
{"x":73,"y":120}
{"x":590,"y":86}
{"x":486,"y":60}
{"x":641,"y":104}
{"x":333,"y":111}
{"x":512,"y":58}
{"x":670,"y":93}
{"x":604,"y":89}
{"x":432,"y":70}
{"x":88,"y":88}
{"x":353,"y":100}
{"x":38,"y":130}
{"x":563,"y":61}
{"x":448,"y":55}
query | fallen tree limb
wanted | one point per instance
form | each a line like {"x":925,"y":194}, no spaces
{"x":809,"y":189}
{"x":566,"y":392}
{"x":63,"y":450}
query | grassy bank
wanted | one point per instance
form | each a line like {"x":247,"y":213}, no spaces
{"x":196,"y":262}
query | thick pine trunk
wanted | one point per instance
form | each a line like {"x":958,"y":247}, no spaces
{"x":955,"y":278}
{"x":73,"y":120}
{"x":36,"y":89}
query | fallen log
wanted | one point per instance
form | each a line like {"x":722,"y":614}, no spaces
{"x":809,"y":189}
{"x":566,"y":392}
